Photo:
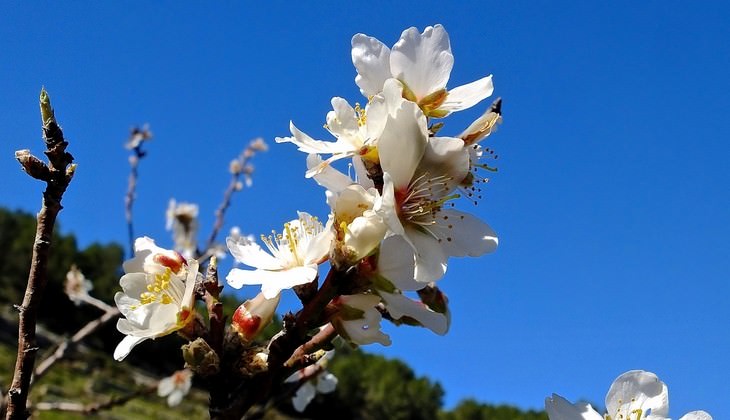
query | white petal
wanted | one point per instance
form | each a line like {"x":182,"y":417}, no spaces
{"x":638,"y":389}
{"x":396,"y":263}
{"x":305,"y":394}
{"x":445,"y":156}
{"x":361,"y":174}
{"x":402,"y":144}
{"x":385,"y":206}
{"x":133,"y":284}
{"x":318,"y":248}
{"x":696,"y":415}
{"x":468,"y":95}
{"x":327,"y":176}
{"x":364,"y":234}
{"x":430,"y":257}
{"x":251,"y":254}
{"x":558,"y":408}
{"x":399,"y":305}
{"x":175,"y":398}
{"x":165,"y":386}
{"x":125,"y":346}
{"x":341,"y":121}
{"x":326,"y":383}
{"x":422,"y":61}
{"x":307,"y":144}
{"x":462,"y":234}
{"x":272,"y":282}
{"x":372,"y":61}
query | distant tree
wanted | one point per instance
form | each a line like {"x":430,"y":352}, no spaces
{"x":470,"y":409}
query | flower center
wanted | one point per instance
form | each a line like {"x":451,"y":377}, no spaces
{"x":289,"y":245}
{"x":162,"y":289}
{"x":424,"y":197}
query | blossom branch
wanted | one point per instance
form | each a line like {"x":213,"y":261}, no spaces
{"x":81,"y":334}
{"x":239,"y":167}
{"x":57,"y":175}
{"x":137,"y":137}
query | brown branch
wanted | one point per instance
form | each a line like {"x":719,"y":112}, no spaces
{"x":259,"y":388}
{"x":59,"y":174}
{"x":85,"y":331}
{"x":215,"y":307}
{"x":300,"y":358}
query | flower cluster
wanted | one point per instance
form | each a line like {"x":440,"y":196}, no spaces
{"x":394,"y":225}
{"x":635,"y":395}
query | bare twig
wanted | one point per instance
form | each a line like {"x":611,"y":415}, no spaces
{"x":94,"y":407}
{"x":300,"y":358}
{"x":239,"y":167}
{"x":57,"y":175}
{"x":137,"y":138}
{"x":85,"y":331}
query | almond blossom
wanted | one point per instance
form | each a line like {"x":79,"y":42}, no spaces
{"x":175,"y":386}
{"x":317,"y":380}
{"x":157,"y":294}
{"x":634,"y":395}
{"x":418,"y":186}
{"x":357,"y":130}
{"x":422,"y":62}
{"x":292,"y":260}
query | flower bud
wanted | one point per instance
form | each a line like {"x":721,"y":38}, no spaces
{"x":254,"y":315}
{"x":201,"y":358}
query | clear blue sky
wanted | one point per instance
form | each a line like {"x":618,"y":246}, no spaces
{"x":612,"y":201}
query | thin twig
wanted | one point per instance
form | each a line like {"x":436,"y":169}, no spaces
{"x":85,"y":331}
{"x":137,"y":138}
{"x":239,"y":167}
{"x":57,"y":174}
{"x":94,"y":407}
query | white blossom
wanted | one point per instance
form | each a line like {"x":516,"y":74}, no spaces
{"x":292,"y":259}
{"x":182,"y":220}
{"x":317,"y":380}
{"x":422,"y":62}
{"x":175,"y":387}
{"x":77,"y":286}
{"x":157,"y":294}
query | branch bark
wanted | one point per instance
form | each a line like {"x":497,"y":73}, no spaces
{"x":57,"y":175}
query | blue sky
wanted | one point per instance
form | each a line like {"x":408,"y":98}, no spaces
{"x":611,"y":202}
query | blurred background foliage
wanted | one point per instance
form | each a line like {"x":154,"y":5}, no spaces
{"x":369,"y":386}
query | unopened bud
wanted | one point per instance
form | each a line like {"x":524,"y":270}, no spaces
{"x":484,"y":125}
{"x":259,"y":145}
{"x":47,"y":115}
{"x":201,"y":358}
{"x":253,"y":316}
{"x":235,"y":167}
{"x":32,"y":165}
